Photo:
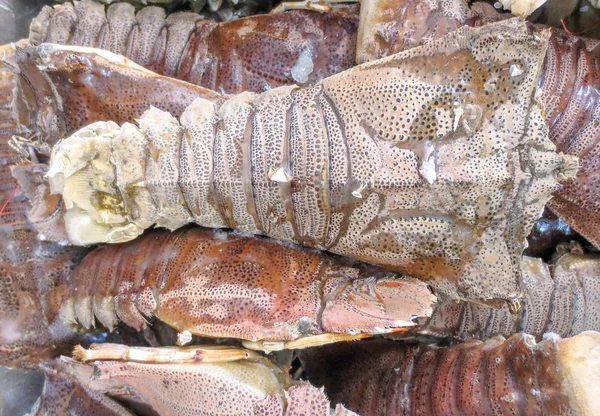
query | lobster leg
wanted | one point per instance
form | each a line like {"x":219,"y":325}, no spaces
{"x":322,"y":6}
{"x":304,"y":342}
{"x":175,"y":355}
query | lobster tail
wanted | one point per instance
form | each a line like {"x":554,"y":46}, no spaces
{"x":219,"y":284}
{"x":446,"y":192}
{"x":496,"y":376}
{"x":228,"y":57}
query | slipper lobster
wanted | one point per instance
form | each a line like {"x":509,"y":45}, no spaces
{"x":216,"y":284}
{"x":256,"y":53}
{"x":336,"y":166}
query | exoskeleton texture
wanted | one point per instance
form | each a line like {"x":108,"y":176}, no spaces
{"x":30,"y":266}
{"x":29,"y":271}
{"x":406,"y":162}
{"x":15,"y":212}
{"x":251,"y":54}
{"x":44,"y":101}
{"x":218,"y":284}
{"x":225,"y":285}
{"x":569,"y":82}
{"x":563,"y":298}
{"x":60,"y":89}
{"x":498,"y":376}
{"x":63,"y":394}
{"x":246,"y":387}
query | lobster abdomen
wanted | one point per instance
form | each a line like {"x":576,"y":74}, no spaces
{"x":445,"y":191}
{"x":221,"y":284}
{"x":250,"y":54}
{"x":498,"y":376}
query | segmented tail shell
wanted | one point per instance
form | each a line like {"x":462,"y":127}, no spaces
{"x":251,"y":54}
{"x":498,"y":376}
{"x":563,"y":298}
{"x":221,"y":284}
{"x":570,"y":84}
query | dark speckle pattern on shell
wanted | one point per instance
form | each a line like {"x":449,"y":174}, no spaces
{"x":569,"y":83}
{"x":219,"y":284}
{"x":256,"y":53}
{"x":409,"y":162}
{"x":498,"y":376}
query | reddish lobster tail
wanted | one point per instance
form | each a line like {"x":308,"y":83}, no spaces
{"x":222,"y":284}
{"x":251,"y":54}
{"x":570,"y":85}
{"x":498,"y":376}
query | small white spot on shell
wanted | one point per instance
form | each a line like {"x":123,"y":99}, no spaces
{"x":280,"y":175}
{"x":184,"y":338}
{"x":358,"y":193}
{"x":427,"y":168}
{"x":303,"y":67}
{"x":458,"y":112}
{"x":515,"y":70}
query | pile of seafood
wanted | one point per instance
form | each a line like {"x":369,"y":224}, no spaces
{"x":319,"y":208}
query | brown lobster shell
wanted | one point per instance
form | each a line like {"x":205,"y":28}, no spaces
{"x":217,"y":284}
{"x":30,"y":269}
{"x":63,"y":394}
{"x":349,"y":178}
{"x":569,"y":81}
{"x":251,"y":54}
{"x":254,"y":386}
{"x":498,"y":376}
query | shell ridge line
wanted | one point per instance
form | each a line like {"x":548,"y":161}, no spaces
{"x":247,"y":169}
{"x":332,"y":241}
{"x":286,"y":162}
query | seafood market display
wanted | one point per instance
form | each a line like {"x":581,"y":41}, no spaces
{"x":404,"y":193}
{"x":445,"y":193}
